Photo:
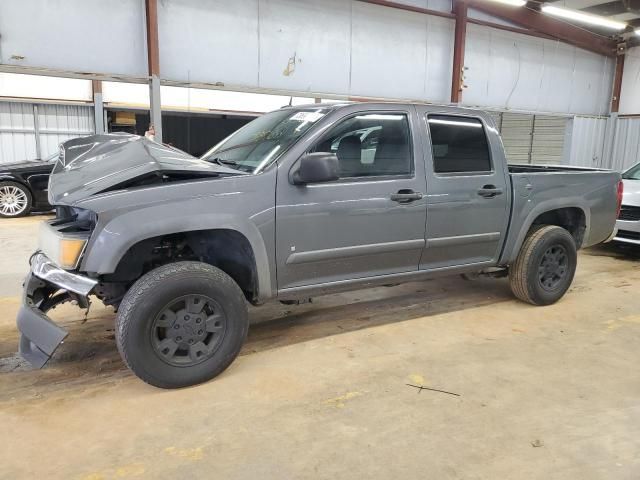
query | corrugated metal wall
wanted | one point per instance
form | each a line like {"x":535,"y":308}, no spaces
{"x":17,"y":132}
{"x":516,"y":132}
{"x":58,"y":123}
{"x":531,"y":138}
{"x":21,"y":140}
{"x":587,"y":143}
{"x":547,"y":143}
{"x":626,"y":147}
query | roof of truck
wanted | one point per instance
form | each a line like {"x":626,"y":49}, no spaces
{"x":432,"y":107}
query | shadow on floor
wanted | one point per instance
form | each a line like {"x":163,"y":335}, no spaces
{"x":89,"y":355}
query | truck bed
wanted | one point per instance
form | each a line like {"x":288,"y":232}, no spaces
{"x":544,"y":188}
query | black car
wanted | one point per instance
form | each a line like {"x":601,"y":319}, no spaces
{"x":23,"y":186}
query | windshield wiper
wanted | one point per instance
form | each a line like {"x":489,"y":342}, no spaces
{"x":224,"y":163}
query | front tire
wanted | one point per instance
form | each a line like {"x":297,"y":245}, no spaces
{"x":545,"y":266}
{"x":181,"y":324}
{"x":15,"y":200}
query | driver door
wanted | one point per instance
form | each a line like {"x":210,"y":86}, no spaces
{"x":371,"y":221}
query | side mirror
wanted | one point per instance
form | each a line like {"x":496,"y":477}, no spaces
{"x":316,"y":168}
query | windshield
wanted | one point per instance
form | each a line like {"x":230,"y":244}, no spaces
{"x":260,"y":142}
{"x":633,"y":173}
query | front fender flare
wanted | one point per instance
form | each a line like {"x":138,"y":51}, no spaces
{"x":108,"y":245}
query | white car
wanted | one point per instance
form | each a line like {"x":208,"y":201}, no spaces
{"x":628,"y":223}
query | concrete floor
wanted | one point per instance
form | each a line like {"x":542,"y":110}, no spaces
{"x":320,"y":391}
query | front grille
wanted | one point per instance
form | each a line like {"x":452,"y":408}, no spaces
{"x":629,"y":213}
{"x":628,"y":235}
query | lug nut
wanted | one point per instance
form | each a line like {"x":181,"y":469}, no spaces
{"x":199,"y":332}
{"x":186,"y":317}
{"x":179,"y":339}
{"x":190,"y":341}
{"x":198,"y":320}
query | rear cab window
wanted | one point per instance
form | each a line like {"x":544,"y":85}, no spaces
{"x":459,"y":145}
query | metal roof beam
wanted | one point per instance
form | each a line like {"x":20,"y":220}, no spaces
{"x":549,"y":26}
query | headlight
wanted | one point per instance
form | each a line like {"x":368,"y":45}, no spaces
{"x":62,"y":248}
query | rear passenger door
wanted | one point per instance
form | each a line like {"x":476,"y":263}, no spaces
{"x":467,"y":193}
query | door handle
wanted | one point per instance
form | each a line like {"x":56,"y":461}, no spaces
{"x":489,"y":191}
{"x":406,"y":196}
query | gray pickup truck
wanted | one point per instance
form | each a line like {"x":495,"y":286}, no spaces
{"x":302,"y":201}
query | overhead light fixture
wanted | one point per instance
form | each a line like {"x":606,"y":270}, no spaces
{"x":513,"y":3}
{"x":583,"y":17}
{"x":637,"y":31}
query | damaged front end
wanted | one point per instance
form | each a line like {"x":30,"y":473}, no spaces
{"x":39,"y":336}
{"x":90,"y":170}
{"x":53,"y":275}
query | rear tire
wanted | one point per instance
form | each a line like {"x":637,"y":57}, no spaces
{"x":181,"y":324}
{"x":15,"y":200}
{"x":545,"y":266}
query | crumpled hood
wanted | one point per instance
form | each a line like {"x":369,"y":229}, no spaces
{"x":90,"y":165}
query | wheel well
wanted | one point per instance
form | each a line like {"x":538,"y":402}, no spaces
{"x":22,"y":183}
{"x":571,"y":219}
{"x":228,"y":250}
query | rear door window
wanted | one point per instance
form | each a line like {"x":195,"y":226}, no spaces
{"x":459,"y":145}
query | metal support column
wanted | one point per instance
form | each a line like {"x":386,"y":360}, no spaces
{"x":153,"y":56}
{"x":98,"y":107}
{"x":459,"y":38}
{"x":617,"y":84}
{"x":36,"y":131}
{"x":156,"y":109}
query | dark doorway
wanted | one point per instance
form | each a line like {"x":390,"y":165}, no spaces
{"x":193,"y":133}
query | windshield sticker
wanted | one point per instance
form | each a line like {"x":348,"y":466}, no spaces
{"x":307,"y":116}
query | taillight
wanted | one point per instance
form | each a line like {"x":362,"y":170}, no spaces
{"x":619,"y":192}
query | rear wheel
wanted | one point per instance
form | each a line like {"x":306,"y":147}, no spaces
{"x":545,"y":266}
{"x":181,"y":324}
{"x":15,"y":199}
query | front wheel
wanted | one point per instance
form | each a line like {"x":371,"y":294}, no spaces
{"x":545,"y":266}
{"x":181,"y":324}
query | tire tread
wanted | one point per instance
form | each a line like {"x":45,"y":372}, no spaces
{"x":125,"y":319}
{"x":519,"y":270}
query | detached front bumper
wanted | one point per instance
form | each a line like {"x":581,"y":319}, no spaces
{"x":39,"y":336}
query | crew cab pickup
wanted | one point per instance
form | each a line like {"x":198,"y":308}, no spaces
{"x":301,"y":202}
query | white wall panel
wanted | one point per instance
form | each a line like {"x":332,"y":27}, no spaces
{"x":212,"y":41}
{"x":592,"y":83}
{"x":342,"y":47}
{"x":400,"y":54}
{"x":630,"y":95}
{"x":520,"y":72}
{"x":304,"y":45}
{"x":75,"y":35}
{"x":626,"y":146}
